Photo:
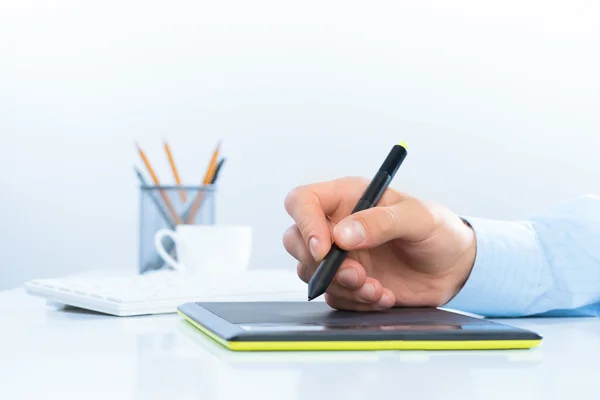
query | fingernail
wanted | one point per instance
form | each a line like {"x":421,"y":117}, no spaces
{"x":351,"y":232}
{"x":368,"y":291}
{"x":348,"y":277}
{"x":313,"y":245}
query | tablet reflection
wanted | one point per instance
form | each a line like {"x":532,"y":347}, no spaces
{"x":185,"y":364}
{"x":188,"y":364}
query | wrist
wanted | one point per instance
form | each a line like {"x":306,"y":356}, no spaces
{"x":466,"y":261}
{"x":505,"y":278}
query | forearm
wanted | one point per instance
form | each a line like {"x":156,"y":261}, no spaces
{"x":550,"y":263}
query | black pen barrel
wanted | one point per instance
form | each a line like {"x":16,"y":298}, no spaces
{"x":373,"y":192}
{"x":394,"y":160}
{"x":326,"y":271}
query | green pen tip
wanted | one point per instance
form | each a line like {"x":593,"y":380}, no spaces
{"x":403,"y":144}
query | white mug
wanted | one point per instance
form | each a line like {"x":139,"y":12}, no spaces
{"x":207,"y":248}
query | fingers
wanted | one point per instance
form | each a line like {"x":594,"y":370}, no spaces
{"x":386,"y":301}
{"x":351,"y":289}
{"x":350,"y":276}
{"x":295,"y":245}
{"x":368,"y":293}
{"x":308,"y":206}
{"x":352,"y":286}
{"x":409,"y":219}
{"x":311,"y":205}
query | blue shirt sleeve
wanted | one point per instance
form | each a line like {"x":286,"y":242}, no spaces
{"x":548,"y":265}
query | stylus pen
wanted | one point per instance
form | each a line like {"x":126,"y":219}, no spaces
{"x":329,"y":266}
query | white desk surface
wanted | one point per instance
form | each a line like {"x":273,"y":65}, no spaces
{"x":47,"y":353}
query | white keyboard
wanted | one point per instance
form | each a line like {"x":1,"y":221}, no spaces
{"x":160,"y":292}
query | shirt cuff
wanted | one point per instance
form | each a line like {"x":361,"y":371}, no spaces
{"x":504,"y":281}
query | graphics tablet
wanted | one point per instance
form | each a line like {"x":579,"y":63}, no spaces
{"x":281,"y":326}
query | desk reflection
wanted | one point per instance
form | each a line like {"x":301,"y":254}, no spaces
{"x":187,"y":364}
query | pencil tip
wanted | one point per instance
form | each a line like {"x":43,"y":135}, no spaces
{"x":137,"y":144}
{"x":310,"y":298}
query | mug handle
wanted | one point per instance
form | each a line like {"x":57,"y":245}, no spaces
{"x":158,"y":237}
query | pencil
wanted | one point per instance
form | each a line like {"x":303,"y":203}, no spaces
{"x":157,"y":183}
{"x":182,"y":193}
{"x":217,"y":170}
{"x":208,"y":177}
{"x":156,"y":202}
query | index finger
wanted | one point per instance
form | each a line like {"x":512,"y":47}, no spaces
{"x":311,"y":205}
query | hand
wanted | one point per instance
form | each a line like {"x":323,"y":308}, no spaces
{"x":404,"y":252}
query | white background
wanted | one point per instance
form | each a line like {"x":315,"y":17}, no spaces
{"x":499,"y":103}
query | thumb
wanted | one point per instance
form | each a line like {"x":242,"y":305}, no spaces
{"x":411,"y":219}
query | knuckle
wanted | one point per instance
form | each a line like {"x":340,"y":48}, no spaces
{"x":293,"y":198}
{"x":289,"y":238}
{"x":429,"y":216}
{"x":355,"y":180}
{"x":330,"y":300}
{"x":305,"y":226}
{"x":333,"y":301}
{"x":388,"y":220}
{"x":302,"y":272}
